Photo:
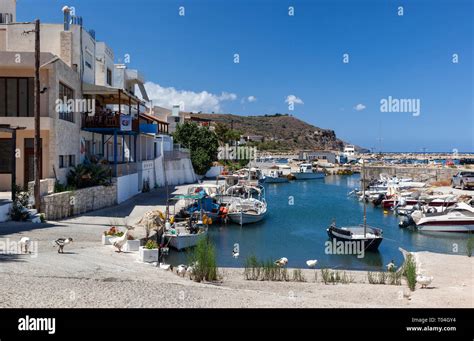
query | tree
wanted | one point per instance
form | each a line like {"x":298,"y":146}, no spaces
{"x":201,"y":142}
{"x":226,"y":135}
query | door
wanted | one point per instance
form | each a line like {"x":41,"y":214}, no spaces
{"x":29,"y":165}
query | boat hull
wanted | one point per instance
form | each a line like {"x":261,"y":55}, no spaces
{"x":448,"y":227}
{"x":309,"y":176}
{"x":184,"y":241}
{"x":245,"y":218}
{"x":270,"y":180}
{"x":370,"y":244}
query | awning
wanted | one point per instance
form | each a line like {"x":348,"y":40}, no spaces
{"x":111,"y":95}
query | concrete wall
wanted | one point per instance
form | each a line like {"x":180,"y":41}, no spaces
{"x":417,"y":173}
{"x":66,"y":204}
{"x":127,"y":187}
{"x":104,"y":61}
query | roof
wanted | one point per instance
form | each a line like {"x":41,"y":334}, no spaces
{"x":152,"y":118}
{"x":112,"y":94}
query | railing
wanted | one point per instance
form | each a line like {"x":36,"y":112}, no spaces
{"x":176,"y":155}
{"x":123,"y":169}
{"x":106,"y":121}
{"x":148,"y":128}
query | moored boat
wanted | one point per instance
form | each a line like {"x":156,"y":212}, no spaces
{"x":306,"y":172}
{"x":457,"y":218}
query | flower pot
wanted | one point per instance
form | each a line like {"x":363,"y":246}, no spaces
{"x":132,"y":245}
{"x":147,"y":255}
{"x":106,"y":240}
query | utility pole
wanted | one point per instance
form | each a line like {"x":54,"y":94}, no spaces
{"x":37,"y":147}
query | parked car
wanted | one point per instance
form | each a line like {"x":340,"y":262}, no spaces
{"x":463,"y":180}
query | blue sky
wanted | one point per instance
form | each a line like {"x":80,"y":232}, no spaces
{"x":191,"y":58}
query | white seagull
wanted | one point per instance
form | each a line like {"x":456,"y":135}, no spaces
{"x":282,"y":261}
{"x":424,"y":280}
{"x":24,"y":244}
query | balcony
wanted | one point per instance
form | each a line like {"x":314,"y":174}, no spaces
{"x":106,"y":121}
{"x":148,"y":128}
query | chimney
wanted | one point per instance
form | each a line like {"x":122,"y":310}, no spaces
{"x":66,"y":10}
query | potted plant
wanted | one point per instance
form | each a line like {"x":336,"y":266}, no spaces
{"x":132,"y":244}
{"x":149,"y":252}
{"x":110,"y":234}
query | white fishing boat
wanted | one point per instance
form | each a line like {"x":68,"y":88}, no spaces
{"x":456,"y":218}
{"x":183,"y":235}
{"x":306,"y":172}
{"x":275,"y":176}
{"x":247,"y":211}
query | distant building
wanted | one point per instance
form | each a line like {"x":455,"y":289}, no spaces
{"x":318,"y":156}
{"x":252,"y":138}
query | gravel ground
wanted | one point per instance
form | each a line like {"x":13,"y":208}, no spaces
{"x":89,"y":274}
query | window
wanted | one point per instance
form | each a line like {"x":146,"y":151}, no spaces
{"x":72,"y":160}
{"x":66,"y":93}
{"x":5,"y":156}
{"x":16,"y":97}
{"x":109,"y":77}
{"x":61,"y":161}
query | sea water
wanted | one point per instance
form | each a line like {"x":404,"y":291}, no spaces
{"x":299,"y":212}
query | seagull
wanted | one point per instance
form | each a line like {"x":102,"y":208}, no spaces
{"x":311,"y":263}
{"x":282,"y":261}
{"x":424,"y":280}
{"x":61,"y":242}
{"x":391,"y":266}
{"x":24,"y":244}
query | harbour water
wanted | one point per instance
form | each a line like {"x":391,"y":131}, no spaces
{"x":299,"y":213}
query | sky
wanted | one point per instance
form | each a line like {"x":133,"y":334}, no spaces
{"x":330,"y":63}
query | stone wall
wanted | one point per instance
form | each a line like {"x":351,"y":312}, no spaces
{"x":65,"y":204}
{"x":428,"y":174}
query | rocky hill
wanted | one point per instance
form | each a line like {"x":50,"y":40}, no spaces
{"x":280,"y":131}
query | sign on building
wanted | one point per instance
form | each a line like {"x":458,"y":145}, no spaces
{"x":125,"y":122}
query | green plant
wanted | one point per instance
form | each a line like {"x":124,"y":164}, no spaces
{"x":377,"y":277}
{"x":469,"y":245}
{"x":410,"y":272}
{"x":203,"y":258}
{"x":151,"y":244}
{"x":19,"y":209}
{"x":89,"y":175}
{"x":298,"y":276}
{"x":42,"y":218}
{"x":334,"y":277}
{"x":252,"y":268}
{"x":202,"y":143}
{"x":59,"y":187}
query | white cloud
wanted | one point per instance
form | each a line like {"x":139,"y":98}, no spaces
{"x":192,"y":101}
{"x":252,"y":99}
{"x":359,"y":107}
{"x":293,"y":99}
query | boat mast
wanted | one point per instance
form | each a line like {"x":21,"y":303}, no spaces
{"x":363,"y":197}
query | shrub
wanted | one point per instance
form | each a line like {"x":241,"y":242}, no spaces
{"x":298,"y":276}
{"x":151,"y":244}
{"x":19,"y":209}
{"x":410,"y":272}
{"x":203,"y":260}
{"x":89,"y":175}
{"x":469,"y":246}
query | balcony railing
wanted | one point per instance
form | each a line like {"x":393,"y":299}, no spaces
{"x":111,"y":120}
